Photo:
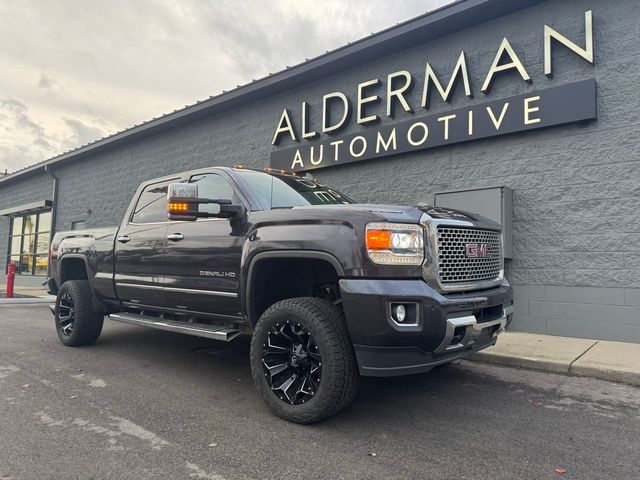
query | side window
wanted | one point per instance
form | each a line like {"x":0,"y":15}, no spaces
{"x":212,"y":185}
{"x":152,"y":204}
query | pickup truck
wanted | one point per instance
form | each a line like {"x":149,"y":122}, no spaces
{"x":328,"y":289}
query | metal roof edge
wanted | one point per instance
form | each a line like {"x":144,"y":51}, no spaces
{"x":447,"y":19}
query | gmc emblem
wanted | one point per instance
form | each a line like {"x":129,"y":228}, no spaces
{"x":477,"y":250}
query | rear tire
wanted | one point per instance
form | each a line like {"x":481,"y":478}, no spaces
{"x":306,"y":343}
{"x":77,"y":322}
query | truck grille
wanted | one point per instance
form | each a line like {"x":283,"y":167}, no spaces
{"x":454,"y":263}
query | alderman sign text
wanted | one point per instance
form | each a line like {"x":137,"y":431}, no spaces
{"x":322,"y":145}
{"x":554,"y":106}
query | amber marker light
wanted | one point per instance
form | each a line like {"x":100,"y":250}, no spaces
{"x":378,"y":239}
{"x":178,"y":207}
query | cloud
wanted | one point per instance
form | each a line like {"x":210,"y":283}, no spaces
{"x":46,"y":82}
{"x":18,"y":120}
{"x":262,"y":37}
{"x":261,"y":44}
{"x":23,"y":141}
{"x":81,"y":133}
{"x":96,"y":68}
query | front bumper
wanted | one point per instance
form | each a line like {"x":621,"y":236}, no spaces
{"x":440,"y":327}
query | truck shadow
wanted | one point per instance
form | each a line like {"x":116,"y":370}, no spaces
{"x":220,"y":365}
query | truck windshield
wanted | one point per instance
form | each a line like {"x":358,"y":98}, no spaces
{"x":286,"y":191}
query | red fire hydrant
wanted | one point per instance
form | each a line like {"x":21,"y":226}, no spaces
{"x":11,"y":276}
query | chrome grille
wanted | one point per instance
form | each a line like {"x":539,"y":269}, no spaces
{"x":455,"y":266}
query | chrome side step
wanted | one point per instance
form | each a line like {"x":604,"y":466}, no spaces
{"x":215,"y":332}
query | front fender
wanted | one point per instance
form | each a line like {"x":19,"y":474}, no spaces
{"x":249,"y":268}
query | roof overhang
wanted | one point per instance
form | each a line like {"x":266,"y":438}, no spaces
{"x":26,"y":208}
{"x":437,"y":23}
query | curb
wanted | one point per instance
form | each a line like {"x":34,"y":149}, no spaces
{"x":527,"y":363}
{"x":603,"y":373}
{"x":573,"y":368}
{"x":26,"y":301}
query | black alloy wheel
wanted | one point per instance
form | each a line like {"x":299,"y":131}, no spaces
{"x":292,"y":363}
{"x":77,"y":319}
{"x":302,"y":360}
{"x":66,"y":314}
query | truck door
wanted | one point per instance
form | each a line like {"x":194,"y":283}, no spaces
{"x":140,"y":248}
{"x":202,"y":266}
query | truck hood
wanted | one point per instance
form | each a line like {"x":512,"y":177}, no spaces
{"x":408,"y":214}
{"x":462,"y":217}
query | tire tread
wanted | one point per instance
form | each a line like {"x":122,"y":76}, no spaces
{"x":88,"y":322}
{"x":344,"y":387}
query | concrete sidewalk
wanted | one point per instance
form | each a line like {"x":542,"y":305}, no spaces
{"x":26,"y":295}
{"x":612,"y":361}
{"x":27,"y":300}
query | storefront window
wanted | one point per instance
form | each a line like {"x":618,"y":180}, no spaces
{"x":29,"y":243}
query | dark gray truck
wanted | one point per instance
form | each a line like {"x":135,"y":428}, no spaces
{"x":329,"y":289}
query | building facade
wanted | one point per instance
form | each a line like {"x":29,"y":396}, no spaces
{"x":407,"y":113}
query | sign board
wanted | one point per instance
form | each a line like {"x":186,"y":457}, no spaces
{"x":319,"y":144}
{"x":569,"y":103}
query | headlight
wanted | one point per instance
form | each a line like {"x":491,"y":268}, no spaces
{"x":395,"y":243}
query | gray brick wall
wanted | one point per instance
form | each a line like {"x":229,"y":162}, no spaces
{"x":576,"y":188}
{"x":589,"y":312}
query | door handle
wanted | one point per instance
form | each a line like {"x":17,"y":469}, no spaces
{"x":124,"y":239}
{"x":176,"y":237}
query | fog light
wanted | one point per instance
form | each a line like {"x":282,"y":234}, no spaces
{"x":399,"y":313}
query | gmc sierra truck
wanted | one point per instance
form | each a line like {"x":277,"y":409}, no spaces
{"x":328,"y":289}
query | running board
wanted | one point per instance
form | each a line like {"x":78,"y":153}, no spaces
{"x":215,"y":332}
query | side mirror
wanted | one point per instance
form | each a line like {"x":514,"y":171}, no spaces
{"x":182,"y":201}
{"x":183,"y":204}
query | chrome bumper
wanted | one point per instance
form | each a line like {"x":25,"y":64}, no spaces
{"x":472,"y":330}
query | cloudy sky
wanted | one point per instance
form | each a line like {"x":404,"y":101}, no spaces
{"x":77,"y":70}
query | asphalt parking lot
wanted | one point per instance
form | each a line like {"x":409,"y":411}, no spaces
{"x":149,"y":404}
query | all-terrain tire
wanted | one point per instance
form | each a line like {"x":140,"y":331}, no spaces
{"x":77,"y":322}
{"x":339,"y":380}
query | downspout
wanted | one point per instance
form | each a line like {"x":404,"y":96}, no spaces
{"x":54,"y":210}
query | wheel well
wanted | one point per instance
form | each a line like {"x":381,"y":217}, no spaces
{"x":274,"y":279}
{"x":73,"y":269}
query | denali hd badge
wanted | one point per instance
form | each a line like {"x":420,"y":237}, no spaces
{"x":207,"y":273}
{"x":477,"y":250}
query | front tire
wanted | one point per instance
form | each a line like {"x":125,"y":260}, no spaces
{"x":77,"y":322}
{"x":302,"y":360}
